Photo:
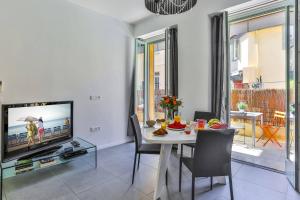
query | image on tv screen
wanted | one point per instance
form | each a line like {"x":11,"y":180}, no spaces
{"x":30,"y":126}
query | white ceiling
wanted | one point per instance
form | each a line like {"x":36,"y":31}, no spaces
{"x":126,"y":10}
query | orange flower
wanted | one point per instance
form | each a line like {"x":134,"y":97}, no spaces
{"x":167,"y":100}
{"x":174,"y":102}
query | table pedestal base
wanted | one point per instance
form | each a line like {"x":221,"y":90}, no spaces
{"x":160,"y":185}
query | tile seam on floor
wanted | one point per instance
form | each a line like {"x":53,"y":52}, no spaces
{"x":263,"y":186}
{"x":102,"y":183}
{"x":132,"y":185}
{"x":71,"y":190}
{"x":242,"y":165}
{"x":94,"y":186}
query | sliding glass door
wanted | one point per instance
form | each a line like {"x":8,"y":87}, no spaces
{"x":157,"y":78}
{"x":140,"y":94}
{"x":150,"y":79}
{"x":263,"y":41}
{"x":292,"y":151}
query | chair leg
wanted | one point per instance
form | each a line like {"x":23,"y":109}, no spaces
{"x":181,"y":151}
{"x":167,"y":177}
{"x":244,"y":131}
{"x":231,"y":187}
{"x":260,"y":138}
{"x":180,"y":173}
{"x":193,"y":187}
{"x":134,"y":164}
{"x":244,"y":135}
{"x":139,"y":161}
{"x":262,"y":135}
{"x":211,"y":183}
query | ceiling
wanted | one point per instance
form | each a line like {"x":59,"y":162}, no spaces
{"x":129,"y":11}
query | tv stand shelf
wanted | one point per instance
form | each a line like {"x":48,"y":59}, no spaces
{"x":37,"y":162}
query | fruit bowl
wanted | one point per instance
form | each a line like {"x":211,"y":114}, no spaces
{"x":177,"y":126}
{"x":216,"y":124}
{"x":219,"y":126}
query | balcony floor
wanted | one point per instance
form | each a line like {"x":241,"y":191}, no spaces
{"x":271,"y":155}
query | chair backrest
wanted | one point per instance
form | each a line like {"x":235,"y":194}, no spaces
{"x":279,"y":118}
{"x":204,"y":115}
{"x":212,"y":155}
{"x":136,"y":131}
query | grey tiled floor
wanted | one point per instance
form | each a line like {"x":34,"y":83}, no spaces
{"x":111,"y":181}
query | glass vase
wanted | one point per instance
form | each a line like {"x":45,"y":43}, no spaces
{"x":170,"y":115}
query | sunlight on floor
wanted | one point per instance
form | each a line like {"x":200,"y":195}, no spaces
{"x":271,"y":155}
{"x":244,"y":149}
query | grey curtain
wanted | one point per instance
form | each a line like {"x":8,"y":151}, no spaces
{"x":172,"y":60}
{"x":219,"y":65}
{"x":131,"y":106}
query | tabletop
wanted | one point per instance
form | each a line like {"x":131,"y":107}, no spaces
{"x":173,"y":137}
{"x":248,"y":114}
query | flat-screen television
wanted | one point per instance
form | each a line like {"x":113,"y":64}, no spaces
{"x":32,"y":127}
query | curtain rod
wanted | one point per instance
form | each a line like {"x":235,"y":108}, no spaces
{"x":173,"y":26}
{"x":215,"y":14}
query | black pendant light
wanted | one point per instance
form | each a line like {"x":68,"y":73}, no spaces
{"x":169,"y":7}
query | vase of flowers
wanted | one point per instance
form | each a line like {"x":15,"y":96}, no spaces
{"x":170,"y":104}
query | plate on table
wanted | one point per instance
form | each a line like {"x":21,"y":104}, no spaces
{"x":159,"y":135}
{"x":176,"y":129}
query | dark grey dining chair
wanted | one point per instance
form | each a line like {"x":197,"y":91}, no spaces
{"x":212,"y":157}
{"x":141,"y":148}
{"x":198,"y":115}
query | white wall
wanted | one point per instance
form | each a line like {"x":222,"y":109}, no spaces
{"x":264,"y":51}
{"x":54,"y":50}
{"x":248,"y":51}
{"x":271,"y":59}
{"x":193,"y":49}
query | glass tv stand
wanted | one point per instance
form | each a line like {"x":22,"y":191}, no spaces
{"x":14,"y":167}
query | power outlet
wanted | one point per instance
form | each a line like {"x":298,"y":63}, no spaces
{"x":95,"y":98}
{"x":95,"y":129}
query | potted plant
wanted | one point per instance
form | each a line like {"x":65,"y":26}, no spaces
{"x":258,"y":83}
{"x":171,"y":105}
{"x":242,"y":106}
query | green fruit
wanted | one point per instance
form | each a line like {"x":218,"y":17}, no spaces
{"x":213,"y":121}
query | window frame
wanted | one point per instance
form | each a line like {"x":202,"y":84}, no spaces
{"x":147,"y":43}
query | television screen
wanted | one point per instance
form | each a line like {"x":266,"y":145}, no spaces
{"x":28,"y":127}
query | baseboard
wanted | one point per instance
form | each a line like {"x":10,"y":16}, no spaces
{"x":115,"y":143}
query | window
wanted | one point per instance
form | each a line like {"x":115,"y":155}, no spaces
{"x":150,"y":79}
{"x":139,"y":80}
